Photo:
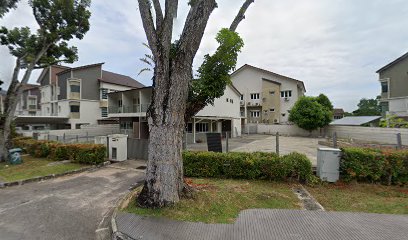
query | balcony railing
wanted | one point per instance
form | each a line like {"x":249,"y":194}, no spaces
{"x":138,"y":108}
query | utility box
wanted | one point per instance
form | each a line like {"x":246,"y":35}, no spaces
{"x":117,"y":147}
{"x":328,"y":164}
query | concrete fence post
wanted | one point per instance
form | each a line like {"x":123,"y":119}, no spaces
{"x":277,"y":143}
{"x":63,"y":138}
{"x":77,"y":138}
{"x":335,"y":140}
{"x":399,"y":141}
{"x":87,"y":137}
{"x":226,"y":142}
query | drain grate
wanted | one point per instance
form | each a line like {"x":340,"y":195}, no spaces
{"x":141,"y":167}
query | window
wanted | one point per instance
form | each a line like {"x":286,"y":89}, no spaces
{"x":126,"y":125}
{"x":242,"y":114}
{"x":48,"y":110}
{"x":242,"y":97}
{"x":286,"y":94}
{"x":231,"y":100}
{"x":74,"y":108}
{"x":254,"y":96}
{"x":59,"y":108}
{"x":32,"y":101}
{"x":384,"y":87}
{"x":104,"y":93}
{"x":104,"y":112}
{"x":120,"y":103}
{"x":227,"y":99}
{"x":75,"y":88}
{"x":272,"y":110}
{"x":255,"y":114}
{"x":201,"y":127}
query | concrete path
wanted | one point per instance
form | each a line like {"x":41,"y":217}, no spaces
{"x":267,"y":224}
{"x":307,"y":146}
{"x":70,"y":207}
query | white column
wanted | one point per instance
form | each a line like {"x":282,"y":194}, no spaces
{"x":194,"y":130}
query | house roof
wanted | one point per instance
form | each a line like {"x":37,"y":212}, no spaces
{"x":80,"y":67}
{"x":393,"y":63}
{"x":119,"y":79}
{"x":47,"y":68}
{"x":337,"y":111}
{"x":355,"y":121}
{"x":267,"y":71}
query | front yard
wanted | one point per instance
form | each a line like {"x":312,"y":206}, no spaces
{"x":220,"y":200}
{"x":34,"y":167}
{"x":370,"y":198}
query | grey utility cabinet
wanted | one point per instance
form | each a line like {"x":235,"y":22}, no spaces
{"x":328,"y":164}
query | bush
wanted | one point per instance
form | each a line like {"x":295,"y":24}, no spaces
{"x":80,"y":153}
{"x":374,"y":165}
{"x":247,"y":165}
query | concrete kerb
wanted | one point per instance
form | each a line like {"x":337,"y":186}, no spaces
{"x":51,"y":176}
{"x":115,"y":234}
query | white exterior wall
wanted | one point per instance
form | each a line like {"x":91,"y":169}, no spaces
{"x":89,"y":112}
{"x":398,"y":106}
{"x":249,"y":80}
{"x":222,"y":108}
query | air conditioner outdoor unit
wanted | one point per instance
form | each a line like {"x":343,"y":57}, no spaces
{"x":257,"y":104}
{"x":242,"y":102}
{"x":249,"y":104}
{"x":286,"y":99}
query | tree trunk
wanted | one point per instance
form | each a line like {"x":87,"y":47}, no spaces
{"x":164,"y":177}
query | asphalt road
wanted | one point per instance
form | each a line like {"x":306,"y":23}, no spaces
{"x":70,"y":207}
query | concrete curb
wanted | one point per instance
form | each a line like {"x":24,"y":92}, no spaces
{"x":115,"y":234}
{"x":308,"y":201}
{"x":51,"y":176}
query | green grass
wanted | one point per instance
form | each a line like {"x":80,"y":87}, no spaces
{"x":362,"y":198}
{"x":33,"y":167}
{"x":220,"y":200}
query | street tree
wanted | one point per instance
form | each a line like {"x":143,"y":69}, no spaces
{"x":59,"y":21}
{"x":6,"y":5}
{"x":368,"y":107}
{"x":324,"y":101}
{"x":172,"y":86}
{"x":309,"y":114}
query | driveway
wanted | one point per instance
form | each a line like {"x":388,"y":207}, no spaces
{"x":69,"y":207}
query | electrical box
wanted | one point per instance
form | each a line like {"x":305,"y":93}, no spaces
{"x":328,"y":164}
{"x":117,"y":146}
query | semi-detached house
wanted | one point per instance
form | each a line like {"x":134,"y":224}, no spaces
{"x":71,"y":97}
{"x":267,"y":97}
{"x":223,"y":117}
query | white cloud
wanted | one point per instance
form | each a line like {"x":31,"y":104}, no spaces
{"x":334,"y":46}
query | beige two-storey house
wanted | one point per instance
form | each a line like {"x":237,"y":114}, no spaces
{"x":394,"y":87}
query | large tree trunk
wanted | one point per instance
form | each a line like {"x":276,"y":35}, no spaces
{"x":164,"y":178}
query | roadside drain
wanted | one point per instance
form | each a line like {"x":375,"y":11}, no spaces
{"x":308,"y":201}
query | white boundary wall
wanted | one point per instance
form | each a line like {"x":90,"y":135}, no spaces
{"x":364,"y":134}
{"x":369,"y":134}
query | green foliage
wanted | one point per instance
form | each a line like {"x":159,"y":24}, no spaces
{"x":393,"y":121}
{"x":6,"y":6}
{"x":309,"y":114}
{"x":374,"y":165}
{"x":324,"y":101}
{"x":78,"y":153}
{"x":213,"y":74}
{"x":255,"y":165}
{"x":59,"y":22}
{"x":368,"y":107}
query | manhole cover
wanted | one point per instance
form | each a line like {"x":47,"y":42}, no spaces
{"x":141,"y":167}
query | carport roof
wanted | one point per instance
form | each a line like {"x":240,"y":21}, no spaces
{"x":355,"y":121}
{"x":40,"y":119}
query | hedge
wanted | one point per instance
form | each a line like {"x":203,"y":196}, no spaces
{"x":78,"y":153}
{"x":257,"y":165}
{"x":374,"y":165}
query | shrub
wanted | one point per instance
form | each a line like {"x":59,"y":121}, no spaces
{"x":80,"y":153}
{"x":247,"y":165}
{"x":374,"y":165}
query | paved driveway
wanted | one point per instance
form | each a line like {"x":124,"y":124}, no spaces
{"x":70,"y":207}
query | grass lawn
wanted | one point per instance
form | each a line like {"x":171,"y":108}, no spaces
{"x":33,"y":167}
{"x":220,"y":200}
{"x":362,"y":198}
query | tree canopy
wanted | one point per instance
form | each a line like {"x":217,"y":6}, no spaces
{"x":6,"y":5}
{"x":308,"y":113}
{"x":368,"y":107}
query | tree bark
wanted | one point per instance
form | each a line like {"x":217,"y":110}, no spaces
{"x":164,"y":175}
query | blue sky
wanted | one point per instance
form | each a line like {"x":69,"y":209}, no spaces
{"x":334,"y":46}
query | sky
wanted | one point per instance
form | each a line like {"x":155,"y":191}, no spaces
{"x":334,"y":47}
